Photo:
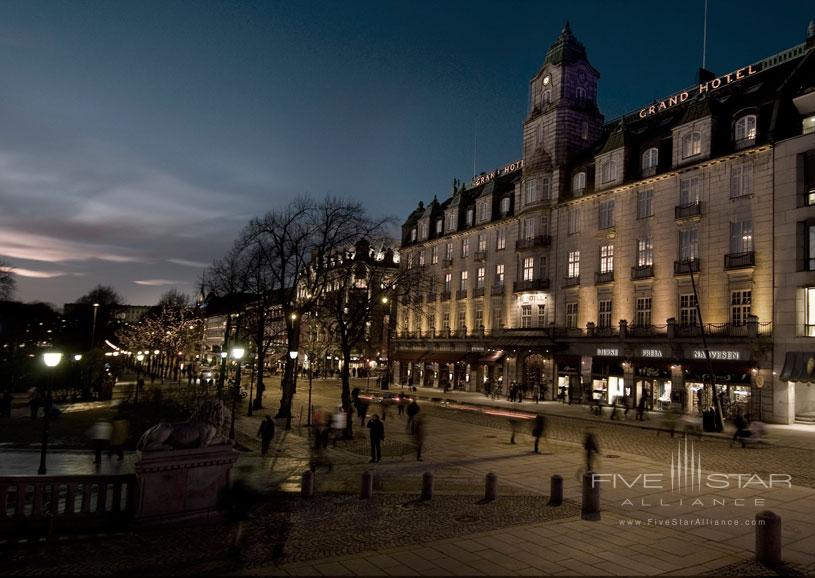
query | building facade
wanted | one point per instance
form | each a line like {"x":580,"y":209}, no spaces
{"x":590,"y":268}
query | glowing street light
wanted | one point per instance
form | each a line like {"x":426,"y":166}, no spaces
{"x":51,"y":359}
{"x":237,"y":354}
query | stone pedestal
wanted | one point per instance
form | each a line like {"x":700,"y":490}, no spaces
{"x":182,"y":485}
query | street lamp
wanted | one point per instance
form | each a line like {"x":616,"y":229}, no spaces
{"x":293,"y":357}
{"x":93,"y":329}
{"x":308,"y":361}
{"x":251,"y":384}
{"x":139,"y":359}
{"x":237,"y":355}
{"x":51,"y":360}
{"x":386,"y":302}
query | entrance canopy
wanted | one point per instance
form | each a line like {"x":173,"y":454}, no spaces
{"x":409,"y":355}
{"x":799,"y":366}
{"x":445,"y":356}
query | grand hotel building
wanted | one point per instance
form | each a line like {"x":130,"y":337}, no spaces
{"x":574,"y":268}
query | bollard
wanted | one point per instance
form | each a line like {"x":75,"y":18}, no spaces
{"x":768,"y":538}
{"x":491,"y":487}
{"x":307,"y":485}
{"x":367,"y":485}
{"x":556,"y":491}
{"x":590,"y":509}
{"x":427,"y":485}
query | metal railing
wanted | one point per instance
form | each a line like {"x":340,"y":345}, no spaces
{"x":461,"y":294}
{"x":740,"y":260}
{"x":531,"y":285}
{"x":480,"y":256}
{"x":571,"y":281}
{"x":606,"y":277}
{"x":685,"y":267}
{"x":478,"y":292}
{"x":642,"y":272}
{"x":539,"y":241}
{"x":688,"y":211}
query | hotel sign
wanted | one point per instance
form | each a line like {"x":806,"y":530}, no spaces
{"x":505,"y":170}
{"x":709,"y":86}
{"x":717,"y":355}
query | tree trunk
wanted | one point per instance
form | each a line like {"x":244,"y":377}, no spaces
{"x":260,"y":336}
{"x":288,"y":377}
{"x":222,"y":377}
{"x":346,"y":388}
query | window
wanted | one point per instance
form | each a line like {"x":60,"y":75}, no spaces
{"x":741,"y":179}
{"x":421,"y":258}
{"x":579,"y":183}
{"x":526,"y":316}
{"x":448,"y":282}
{"x":505,"y":206}
{"x":745,"y":130}
{"x":500,"y":239}
{"x":479,"y":317}
{"x":650,"y":159}
{"x":528,"y":228}
{"x":543,"y":272}
{"x":606,"y":214}
{"x":606,"y":258}
{"x":546,"y":189}
{"x":645,"y":253}
{"x":604,"y":313}
{"x":574,"y":264}
{"x":691,"y":144}
{"x":499,"y":275}
{"x":805,"y":182}
{"x":431,"y":322}
{"x":608,"y":171}
{"x":643,"y":311}
{"x":469,"y":216}
{"x":482,"y":211}
{"x":482,"y":242}
{"x":741,"y":237}
{"x":451,"y":222}
{"x":423,"y":230}
{"x":740,"y":302}
{"x":410,"y":260}
{"x":479,"y":280}
{"x":439,"y":226}
{"x":465,"y":247}
{"x":689,"y":191}
{"x":808,"y":125}
{"x":541,"y":315}
{"x":547,"y":96}
{"x":462,"y":320}
{"x":645,"y":204}
{"x":413,"y":234}
{"x":445,"y":320}
{"x":434,"y":255}
{"x":687,"y":310}
{"x":497,"y":316}
{"x":530,"y":191}
{"x":688,"y":245}
{"x":584,"y":130}
{"x":463,"y":282}
{"x":448,"y":251}
{"x":529,"y":268}
{"x":574,"y":221}
{"x":571,"y":315}
{"x":809,"y":327}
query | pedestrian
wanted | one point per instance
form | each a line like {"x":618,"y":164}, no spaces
{"x":338,"y":423}
{"x":362,"y":411}
{"x":401,"y":403}
{"x":410,"y":382}
{"x":419,"y":433}
{"x":487,"y":388}
{"x":266,"y":434}
{"x":412,"y":411}
{"x":512,"y":426}
{"x":741,"y":427}
{"x":641,"y":408}
{"x":536,"y":393}
{"x":627,"y":406}
{"x":614,"y":411}
{"x":100,"y":434}
{"x":538,"y":430}
{"x":592,"y":449}
{"x":118,"y":436}
{"x":377,"y":435}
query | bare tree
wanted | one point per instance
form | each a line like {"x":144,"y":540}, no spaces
{"x":8,"y":283}
{"x":104,"y":295}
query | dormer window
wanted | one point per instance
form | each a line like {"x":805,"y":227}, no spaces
{"x":483,"y":211}
{"x":439,"y":226}
{"x":745,"y":131}
{"x":650,"y":159}
{"x":505,"y":206}
{"x":579,"y":183}
{"x":451,"y":222}
{"x":691,"y":144}
{"x":413,"y":235}
{"x":608,"y":171}
{"x":423,"y":231}
{"x":470,"y":217}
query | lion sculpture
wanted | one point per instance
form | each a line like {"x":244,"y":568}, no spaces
{"x":199,"y":431}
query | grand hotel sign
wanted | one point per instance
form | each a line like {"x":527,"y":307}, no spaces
{"x":505,"y":170}
{"x":704,"y":87}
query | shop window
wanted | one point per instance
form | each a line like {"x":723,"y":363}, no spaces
{"x":607,"y":259}
{"x":645,"y":204}
{"x":691,"y":144}
{"x":571,"y":315}
{"x":526,"y":316}
{"x":643,"y":313}
{"x":541,"y":315}
{"x":604,"y":313}
{"x":500,"y":239}
{"x":687,"y":310}
{"x":740,"y":303}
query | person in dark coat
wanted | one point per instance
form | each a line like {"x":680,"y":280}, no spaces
{"x":641,"y":408}
{"x":538,"y":429}
{"x":412,"y":410}
{"x":419,"y":432}
{"x":266,"y":434}
{"x":377,"y":435}
{"x":591,"y":447}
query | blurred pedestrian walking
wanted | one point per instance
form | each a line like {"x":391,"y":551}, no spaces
{"x":266,"y":434}
{"x":412,"y":410}
{"x":592,"y":449}
{"x":419,"y":434}
{"x":100,"y":434}
{"x":538,"y":430}
{"x":120,"y":428}
{"x":377,"y":435}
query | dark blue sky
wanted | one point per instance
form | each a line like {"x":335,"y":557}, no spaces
{"x":136,"y":138}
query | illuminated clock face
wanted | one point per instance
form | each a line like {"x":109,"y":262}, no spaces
{"x":546,"y":80}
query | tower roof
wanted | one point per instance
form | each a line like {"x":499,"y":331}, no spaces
{"x":566,"y":48}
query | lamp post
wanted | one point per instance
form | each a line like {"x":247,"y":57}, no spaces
{"x":308,"y":360}
{"x":386,"y":301}
{"x":93,"y":328}
{"x":139,"y":359}
{"x":222,"y":377}
{"x":293,"y":357}
{"x":251,"y":383}
{"x":237,"y":355}
{"x":51,"y":359}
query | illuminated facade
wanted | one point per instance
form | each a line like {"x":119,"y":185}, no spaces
{"x":573,"y":270}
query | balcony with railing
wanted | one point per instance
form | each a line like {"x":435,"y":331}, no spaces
{"x":647,"y":330}
{"x":497,"y":289}
{"x":571,"y":281}
{"x":688,"y":211}
{"x":600,"y":278}
{"x":740,"y":260}
{"x":446,"y":262}
{"x":480,"y":256}
{"x":445,"y":296}
{"x":539,"y":241}
{"x":744,"y":143}
{"x":649,"y":171}
{"x":432,"y":297}
{"x":531,"y":285}
{"x":686,"y":267}
{"x":461,"y":294}
{"x":642,"y":272}
{"x":478,"y":292}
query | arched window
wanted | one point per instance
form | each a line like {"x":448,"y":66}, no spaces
{"x":691,"y":144}
{"x":745,"y":130}
{"x":608,"y":171}
{"x":505,"y":205}
{"x":579,"y":183}
{"x":650,"y":158}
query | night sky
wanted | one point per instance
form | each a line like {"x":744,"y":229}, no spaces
{"x":137,"y":138}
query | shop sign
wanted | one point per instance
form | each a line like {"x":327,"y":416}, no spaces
{"x":505,"y":170}
{"x":717,"y":355}
{"x":650,"y":353}
{"x":476,"y":348}
{"x":608,"y":352}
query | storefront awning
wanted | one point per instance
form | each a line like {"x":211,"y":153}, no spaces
{"x":445,"y":356}
{"x":799,"y":366}
{"x":492,"y":357}
{"x":409,"y":355}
